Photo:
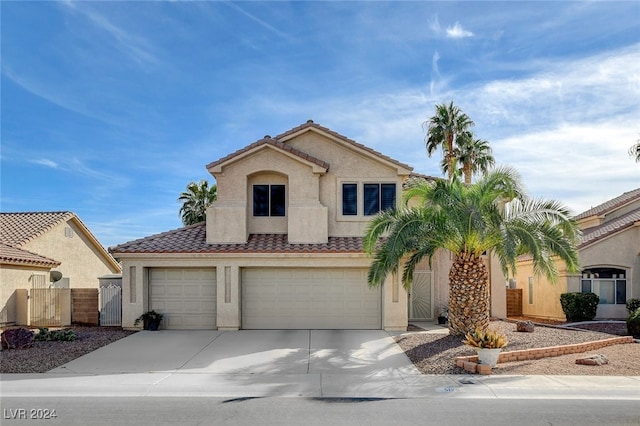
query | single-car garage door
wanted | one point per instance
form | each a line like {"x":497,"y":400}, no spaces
{"x":186,"y":297}
{"x":314,"y":298}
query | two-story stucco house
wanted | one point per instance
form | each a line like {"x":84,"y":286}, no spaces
{"x":282,"y":245}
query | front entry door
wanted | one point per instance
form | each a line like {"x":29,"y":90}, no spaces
{"x":420,"y":296}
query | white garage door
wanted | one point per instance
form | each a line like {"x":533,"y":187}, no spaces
{"x":315,"y":298}
{"x":186,"y":297}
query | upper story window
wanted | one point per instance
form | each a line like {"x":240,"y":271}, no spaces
{"x":268,"y":200}
{"x":375,"y":197}
{"x":610,"y":284}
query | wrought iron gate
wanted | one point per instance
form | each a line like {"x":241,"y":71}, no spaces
{"x":111,"y":305}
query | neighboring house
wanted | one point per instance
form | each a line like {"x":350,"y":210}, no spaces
{"x":33,"y":244}
{"x":281,"y":247}
{"x":609,"y":252}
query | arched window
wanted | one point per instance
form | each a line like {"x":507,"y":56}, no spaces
{"x":610,"y":284}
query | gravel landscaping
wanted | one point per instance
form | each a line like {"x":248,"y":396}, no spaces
{"x":43,"y":356}
{"x":435,"y":353}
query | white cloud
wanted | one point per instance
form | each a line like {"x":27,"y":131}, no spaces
{"x":458,"y":32}
{"x":45,"y":162}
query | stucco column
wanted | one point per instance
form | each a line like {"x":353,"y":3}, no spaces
{"x":394,"y":305}
{"x":228,"y":316}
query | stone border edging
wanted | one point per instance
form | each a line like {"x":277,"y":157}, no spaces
{"x":470,"y":363}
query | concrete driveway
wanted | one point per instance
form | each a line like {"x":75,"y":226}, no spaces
{"x":270,"y":352}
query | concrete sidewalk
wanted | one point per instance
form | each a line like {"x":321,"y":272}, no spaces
{"x":285,"y":363}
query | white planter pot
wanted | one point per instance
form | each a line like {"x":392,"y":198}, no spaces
{"x":488,"y":356}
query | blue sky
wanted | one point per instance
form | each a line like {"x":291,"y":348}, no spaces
{"x":109,"y":109}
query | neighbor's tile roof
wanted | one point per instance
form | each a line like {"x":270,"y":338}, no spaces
{"x":17,"y":256}
{"x":192,"y":239}
{"x":611,"y":204}
{"x":17,"y":229}
{"x":618,"y":224}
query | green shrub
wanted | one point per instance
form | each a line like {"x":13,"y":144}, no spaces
{"x":633,"y":324}
{"x":44,"y":334}
{"x":579,"y":306}
{"x":633,"y":305}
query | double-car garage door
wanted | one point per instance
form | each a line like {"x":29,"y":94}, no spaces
{"x":272,"y":298}
{"x":315,"y":298}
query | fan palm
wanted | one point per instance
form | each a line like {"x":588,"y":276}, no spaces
{"x":474,"y":155}
{"x":493,"y":215}
{"x":443,"y":129}
{"x":195,"y":201}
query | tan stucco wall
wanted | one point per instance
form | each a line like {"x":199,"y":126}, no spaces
{"x":13,"y":278}
{"x":619,"y":251}
{"x":313,"y":198}
{"x":16,"y":283}
{"x":229,"y":313}
{"x":80,"y":260}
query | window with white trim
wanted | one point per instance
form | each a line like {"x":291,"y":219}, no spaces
{"x":610,"y":284}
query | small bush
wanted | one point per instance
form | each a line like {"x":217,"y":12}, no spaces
{"x":61,"y":335}
{"x":633,"y":324}
{"x":17,"y":338}
{"x":579,"y":306}
{"x":633,"y":305}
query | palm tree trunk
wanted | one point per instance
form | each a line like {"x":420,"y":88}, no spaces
{"x":468,"y":295}
{"x":467,"y":173}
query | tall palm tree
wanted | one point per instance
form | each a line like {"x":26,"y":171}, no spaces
{"x":474,"y":155}
{"x":195,"y":201}
{"x":634,"y":151}
{"x":443,"y":129}
{"x":493,"y":215}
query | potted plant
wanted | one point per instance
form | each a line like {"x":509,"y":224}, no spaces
{"x":150,"y":320}
{"x":488,"y":344}
{"x":443,"y":316}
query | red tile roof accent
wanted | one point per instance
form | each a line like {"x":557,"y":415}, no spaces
{"x":192,"y":239}
{"x":311,"y":124}
{"x":17,"y":229}
{"x":618,"y":224}
{"x":275,"y":143}
{"x":17,"y":256}
{"x":612,"y":204}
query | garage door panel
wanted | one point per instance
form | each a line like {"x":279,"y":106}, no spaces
{"x":309,"y":298}
{"x":186,"y":297}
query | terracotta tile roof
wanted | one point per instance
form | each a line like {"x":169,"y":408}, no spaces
{"x":612,"y":204}
{"x":618,"y":224}
{"x":192,"y":239}
{"x":311,"y":124}
{"x":273,"y":142}
{"x":17,"y":229}
{"x":276,"y":142}
{"x":17,"y":256}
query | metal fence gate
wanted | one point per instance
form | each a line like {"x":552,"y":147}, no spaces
{"x":44,"y":303}
{"x":111,"y":305}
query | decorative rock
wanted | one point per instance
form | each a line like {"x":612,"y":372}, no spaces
{"x":598,"y":359}
{"x":524,"y":326}
{"x":16,"y":338}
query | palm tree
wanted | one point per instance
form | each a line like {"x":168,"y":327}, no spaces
{"x":634,"y":151}
{"x":195,"y":201}
{"x":493,"y":216}
{"x":474,"y":155}
{"x":443,"y":130}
